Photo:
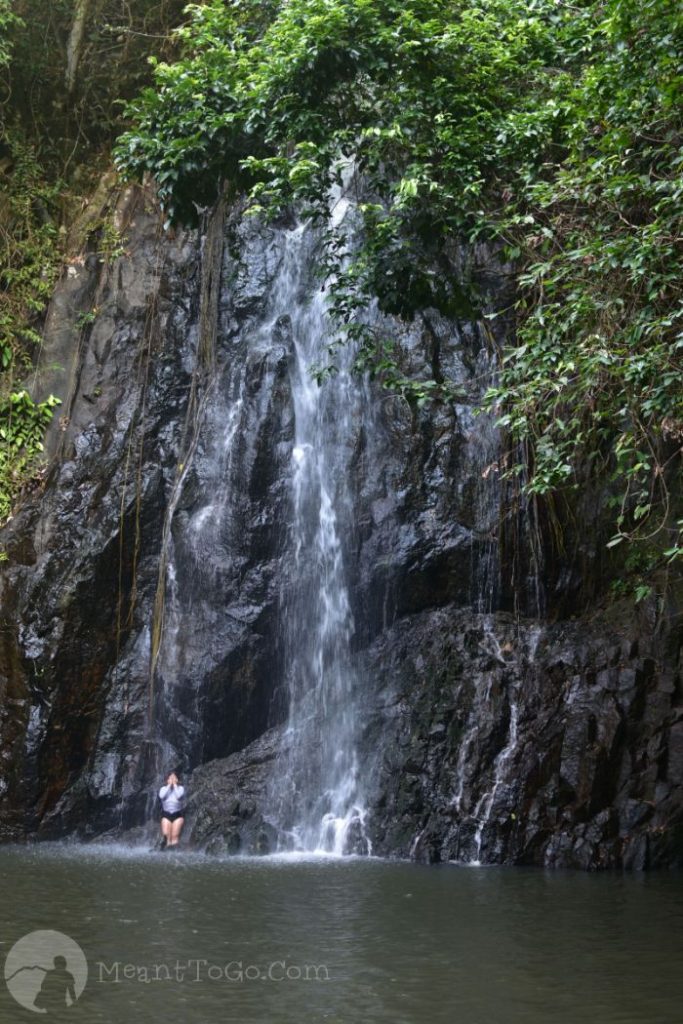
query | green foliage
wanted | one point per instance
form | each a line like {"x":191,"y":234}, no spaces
{"x":8,"y":23}
{"x":416,"y":93}
{"x":595,"y":379}
{"x":71,"y":126}
{"x":86,"y":318}
{"x":22,"y":427}
{"x":111,"y":245}
{"x":553,"y":131}
{"x":55,"y":129}
{"x":32,"y":257}
{"x":29,"y":238}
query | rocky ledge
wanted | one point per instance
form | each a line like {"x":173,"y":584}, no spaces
{"x":490,"y":739}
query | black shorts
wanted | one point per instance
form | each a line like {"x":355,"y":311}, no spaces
{"x":172,"y":817}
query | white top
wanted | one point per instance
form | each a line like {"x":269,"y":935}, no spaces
{"x":172,"y":798}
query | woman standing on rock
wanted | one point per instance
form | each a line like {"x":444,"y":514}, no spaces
{"x":172,"y":797}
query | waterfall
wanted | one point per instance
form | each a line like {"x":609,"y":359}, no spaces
{"x":296,"y":510}
{"x":317,"y":789}
{"x":315,"y":799}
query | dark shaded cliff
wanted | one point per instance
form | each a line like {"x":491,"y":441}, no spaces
{"x":146,"y":586}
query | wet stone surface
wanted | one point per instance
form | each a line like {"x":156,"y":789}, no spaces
{"x":143,"y":599}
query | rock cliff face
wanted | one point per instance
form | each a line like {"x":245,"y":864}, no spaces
{"x":532,"y":744}
{"x":147,"y":585}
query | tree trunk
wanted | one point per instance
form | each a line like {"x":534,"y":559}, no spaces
{"x":74,"y":47}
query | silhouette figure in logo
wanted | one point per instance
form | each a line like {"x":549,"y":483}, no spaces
{"x":57,"y":986}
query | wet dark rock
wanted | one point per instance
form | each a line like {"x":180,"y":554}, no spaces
{"x":228,"y":801}
{"x":500,"y":721}
{"x":579,"y":782}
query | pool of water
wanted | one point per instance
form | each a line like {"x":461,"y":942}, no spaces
{"x":345,"y":941}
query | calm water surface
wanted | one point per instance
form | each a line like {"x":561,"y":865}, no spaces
{"x":381,"y":942}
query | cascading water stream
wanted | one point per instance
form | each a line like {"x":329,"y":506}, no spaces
{"x":314,"y":795}
{"x":315,"y":798}
{"x":318,"y":790}
{"x":503,"y":761}
{"x":486,"y":803}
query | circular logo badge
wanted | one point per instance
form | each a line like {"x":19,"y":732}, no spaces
{"x":46,"y":971}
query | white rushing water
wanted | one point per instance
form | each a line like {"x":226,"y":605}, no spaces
{"x":315,"y":794}
{"x":318,"y":786}
{"x":504,"y":762}
{"x":487,"y":801}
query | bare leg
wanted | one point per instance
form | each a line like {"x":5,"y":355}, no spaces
{"x":166,"y":827}
{"x":176,"y":829}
